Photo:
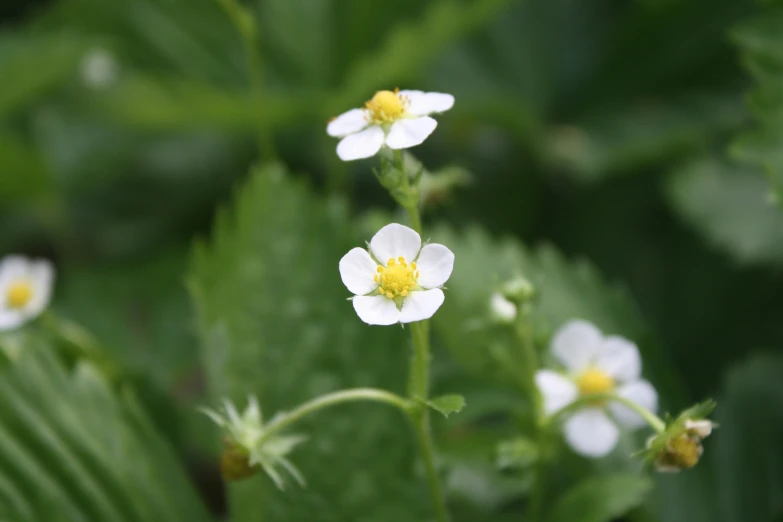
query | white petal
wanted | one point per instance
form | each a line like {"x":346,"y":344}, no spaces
{"x":376,"y":309}
{"x":357,"y":270}
{"x":591,"y":433}
{"x":393,"y":241}
{"x":41,"y":274}
{"x":557,"y":390}
{"x":11,"y":319}
{"x":501,"y":308}
{"x":576,"y":344}
{"x":361,"y":145}
{"x":701,"y":428}
{"x":421,"y":305}
{"x":434,"y":264}
{"x":640,"y":392}
{"x":410,"y":132}
{"x":347,"y":123}
{"x":423,"y":103}
{"x":13,"y":268}
{"x":619,"y":358}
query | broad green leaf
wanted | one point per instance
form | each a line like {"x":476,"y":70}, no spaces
{"x":447,"y":404}
{"x":601,"y":499}
{"x":730,"y":206}
{"x":71,"y":449}
{"x":275,"y":322}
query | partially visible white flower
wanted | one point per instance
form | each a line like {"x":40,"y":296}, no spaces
{"x":99,"y":69}
{"x":501,"y":309}
{"x":595,"y":364}
{"x":699,"y":428}
{"x":397,"y":281}
{"x":25,"y":289}
{"x":398,"y":119}
{"x":248,"y":447}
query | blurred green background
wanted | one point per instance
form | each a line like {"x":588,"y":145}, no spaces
{"x":632,"y":147}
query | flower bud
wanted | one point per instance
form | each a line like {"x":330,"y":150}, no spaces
{"x":518,"y":289}
{"x":234,"y":462}
{"x":501,"y":310}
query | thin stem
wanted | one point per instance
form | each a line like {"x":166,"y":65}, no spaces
{"x":413,"y":206}
{"x":331,"y":399}
{"x":246,"y":26}
{"x":419,"y":385}
{"x":652,"y":419}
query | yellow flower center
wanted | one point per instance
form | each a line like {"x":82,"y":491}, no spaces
{"x":19,"y":294}
{"x":386,"y":106}
{"x":397,"y":278}
{"x":594,"y":381}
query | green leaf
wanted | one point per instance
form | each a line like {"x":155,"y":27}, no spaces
{"x":447,"y":404}
{"x":70,"y":449}
{"x":274,"y":322}
{"x":760,"y":40}
{"x":601,"y":499}
{"x":612,"y":142}
{"x":730,"y":206}
{"x":745,"y":449}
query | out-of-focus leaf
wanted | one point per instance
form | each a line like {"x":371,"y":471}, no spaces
{"x":411,"y":46}
{"x":24,"y":171}
{"x":623,"y":139}
{"x":731,"y":207}
{"x":745,"y":449}
{"x":72,"y":450}
{"x":761,"y":42}
{"x":275,"y":322}
{"x":601,"y":499}
{"x":30,"y":66}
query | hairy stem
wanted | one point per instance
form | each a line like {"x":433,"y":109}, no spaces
{"x":332,"y":399}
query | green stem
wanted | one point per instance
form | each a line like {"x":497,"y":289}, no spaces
{"x":419,"y":386}
{"x":524,"y":332}
{"x":246,"y":26}
{"x":413,"y":206}
{"x":331,"y":399}
{"x":653,"y":420}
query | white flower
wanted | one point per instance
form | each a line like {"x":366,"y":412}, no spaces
{"x":501,"y":309}
{"x":99,"y":69}
{"x":397,"y":119}
{"x":595,"y":364}
{"x":248,"y":447}
{"x":397,"y":280}
{"x":25,"y":289}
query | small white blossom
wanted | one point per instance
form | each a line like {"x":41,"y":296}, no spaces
{"x":699,"y":428}
{"x":399,"y":120}
{"x":595,"y":364}
{"x":397,"y":281}
{"x":248,"y":447}
{"x":25,"y":289}
{"x":99,"y":69}
{"x":501,"y":309}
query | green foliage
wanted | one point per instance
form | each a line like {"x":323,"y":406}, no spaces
{"x":601,"y":499}
{"x":730,"y":206}
{"x":72,"y":449}
{"x":275,"y":322}
{"x":761,"y":43}
{"x":447,"y":404}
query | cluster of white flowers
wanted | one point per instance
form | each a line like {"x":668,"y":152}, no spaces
{"x":25,"y":290}
{"x":593,"y":364}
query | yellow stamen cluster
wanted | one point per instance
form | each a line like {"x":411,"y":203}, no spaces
{"x":386,"y":106}
{"x":682,"y":452}
{"x":19,"y":294}
{"x":397,"y":278}
{"x":594,"y":381}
